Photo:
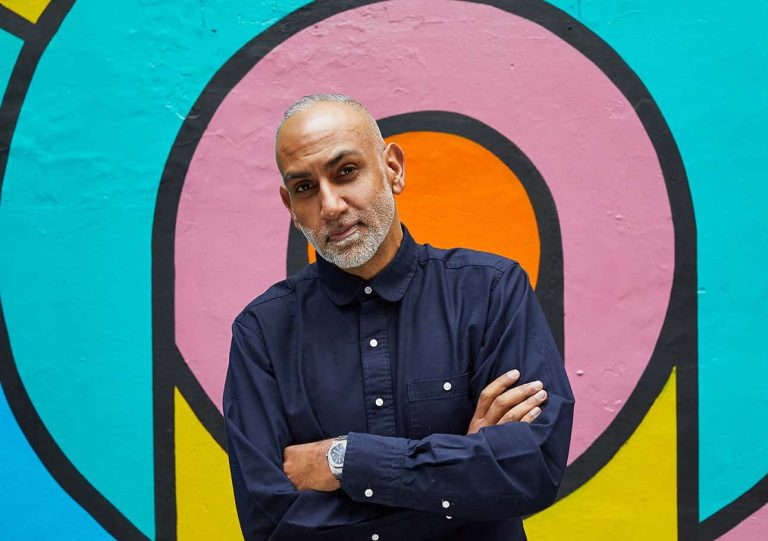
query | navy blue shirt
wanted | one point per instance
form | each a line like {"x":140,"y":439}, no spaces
{"x":397,"y":363}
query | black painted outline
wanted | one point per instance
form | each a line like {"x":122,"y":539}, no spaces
{"x":677,"y":343}
{"x":169,"y":368}
{"x":735,"y":512}
{"x":36,"y":38}
{"x":15,"y":24}
{"x":682,"y":343}
{"x":549,"y":282}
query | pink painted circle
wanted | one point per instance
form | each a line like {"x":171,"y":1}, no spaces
{"x":399,"y":57}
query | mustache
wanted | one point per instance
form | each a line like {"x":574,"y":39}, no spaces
{"x":338,"y":227}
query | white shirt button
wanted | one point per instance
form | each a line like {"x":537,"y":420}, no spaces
{"x":379,"y":402}
{"x":375,"y":537}
{"x":368,"y":492}
{"x":374,"y":342}
{"x":368,"y":290}
{"x":446,"y":504}
{"x":447,"y":385}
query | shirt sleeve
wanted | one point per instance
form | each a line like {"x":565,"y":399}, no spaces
{"x":268,"y":506}
{"x":501,"y":471}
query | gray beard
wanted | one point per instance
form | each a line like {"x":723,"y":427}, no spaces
{"x":361,"y":250}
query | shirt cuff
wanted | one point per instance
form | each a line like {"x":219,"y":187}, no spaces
{"x":372,"y":468}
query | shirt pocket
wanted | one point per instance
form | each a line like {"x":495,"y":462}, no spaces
{"x":440,"y":405}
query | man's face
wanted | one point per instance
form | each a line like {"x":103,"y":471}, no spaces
{"x":336,"y":182}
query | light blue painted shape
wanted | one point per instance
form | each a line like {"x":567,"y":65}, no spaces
{"x":104,"y":107}
{"x":704,"y":64}
{"x":32,"y":504}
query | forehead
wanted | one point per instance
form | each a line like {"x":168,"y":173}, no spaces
{"x":320,"y":131}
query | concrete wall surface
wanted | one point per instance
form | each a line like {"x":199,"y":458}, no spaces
{"x":615,"y":148}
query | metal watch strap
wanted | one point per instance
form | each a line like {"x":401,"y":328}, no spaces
{"x":336,"y":471}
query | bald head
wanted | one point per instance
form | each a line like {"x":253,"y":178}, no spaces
{"x":322,"y":113}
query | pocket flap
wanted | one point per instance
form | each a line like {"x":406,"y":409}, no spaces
{"x":447,"y":387}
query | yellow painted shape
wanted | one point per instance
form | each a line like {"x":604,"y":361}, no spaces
{"x":634,"y":497}
{"x":205,"y":502}
{"x":29,"y":9}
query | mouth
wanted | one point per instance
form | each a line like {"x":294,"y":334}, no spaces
{"x":343,"y":233}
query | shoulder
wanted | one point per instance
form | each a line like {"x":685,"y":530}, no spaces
{"x":467,"y":261}
{"x":275,"y":299}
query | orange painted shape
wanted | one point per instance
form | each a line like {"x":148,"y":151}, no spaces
{"x":458,"y":193}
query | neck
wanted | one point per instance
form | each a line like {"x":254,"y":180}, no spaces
{"x":383,"y":255}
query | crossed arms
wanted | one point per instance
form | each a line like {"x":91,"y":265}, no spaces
{"x":306,"y":464}
{"x":509,"y":463}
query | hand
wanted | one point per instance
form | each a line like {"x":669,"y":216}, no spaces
{"x":497,"y":406}
{"x":306,"y":465}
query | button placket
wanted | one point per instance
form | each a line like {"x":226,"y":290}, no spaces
{"x":377,"y":374}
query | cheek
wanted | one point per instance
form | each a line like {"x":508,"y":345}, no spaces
{"x":367,"y":200}
{"x":302,"y":212}
{"x":309,"y":219}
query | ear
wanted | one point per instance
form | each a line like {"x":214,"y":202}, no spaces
{"x":394,"y":158}
{"x":286,"y":197}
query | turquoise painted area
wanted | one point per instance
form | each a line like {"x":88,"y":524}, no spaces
{"x":26,"y":484}
{"x":704,"y":64}
{"x":77,"y":203}
{"x":102,"y":112}
{"x":32,"y":504}
{"x":10,"y":46}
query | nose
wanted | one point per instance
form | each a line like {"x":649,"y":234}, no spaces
{"x":332,"y":203}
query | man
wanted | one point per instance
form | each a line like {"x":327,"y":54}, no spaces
{"x":377,"y":393}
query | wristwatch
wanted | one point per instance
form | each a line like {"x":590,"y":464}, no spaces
{"x":336,"y":456}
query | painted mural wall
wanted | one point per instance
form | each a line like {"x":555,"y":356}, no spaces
{"x":615,"y":148}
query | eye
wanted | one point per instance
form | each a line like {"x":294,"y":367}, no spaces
{"x":302,"y":187}
{"x":347,"y":170}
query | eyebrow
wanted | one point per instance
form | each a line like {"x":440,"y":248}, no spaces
{"x":328,"y":165}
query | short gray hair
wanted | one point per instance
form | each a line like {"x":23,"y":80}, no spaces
{"x":307,"y":102}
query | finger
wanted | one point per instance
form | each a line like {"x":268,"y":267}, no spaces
{"x":508,"y":400}
{"x":531,"y":415}
{"x":493,"y":390}
{"x":524,"y":408}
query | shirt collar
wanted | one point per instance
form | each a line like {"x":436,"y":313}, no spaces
{"x":389,"y":284}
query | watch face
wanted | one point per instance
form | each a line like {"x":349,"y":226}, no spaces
{"x":337,"y":454}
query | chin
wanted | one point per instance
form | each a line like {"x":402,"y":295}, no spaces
{"x":351,"y":261}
